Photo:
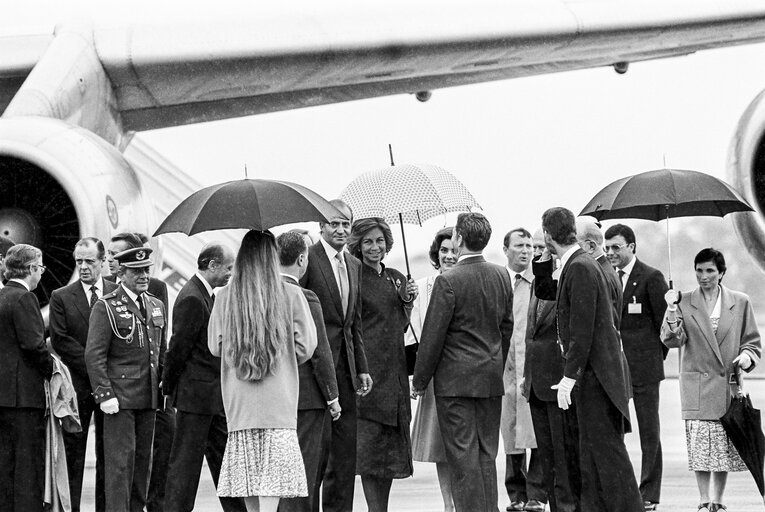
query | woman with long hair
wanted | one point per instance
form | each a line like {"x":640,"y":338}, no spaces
{"x":262,"y":330}
{"x":716,"y":331}
{"x":383,"y":446}
{"x":427,"y":445}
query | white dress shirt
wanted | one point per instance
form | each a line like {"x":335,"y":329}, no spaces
{"x":99,"y":288}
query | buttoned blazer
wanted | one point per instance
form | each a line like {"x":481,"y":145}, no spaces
{"x":586,"y":327}
{"x":191,"y":374}
{"x":467,"y":331}
{"x":69,"y":321}
{"x":544,"y":359}
{"x":640,"y":332}
{"x":122,"y":368}
{"x":318,"y":383}
{"x":24,"y":359}
{"x":705,"y":357}
{"x":341,"y":328}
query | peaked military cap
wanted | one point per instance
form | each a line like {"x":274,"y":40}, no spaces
{"x":135,"y":258}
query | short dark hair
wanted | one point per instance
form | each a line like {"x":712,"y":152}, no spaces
{"x":623,"y":230}
{"x":711,"y":255}
{"x":5,"y":244}
{"x":435,"y":247}
{"x":91,"y":240}
{"x":475,"y":230}
{"x":143,"y":238}
{"x":210,"y":252}
{"x":131,"y":239}
{"x":560,"y":224}
{"x":18,"y":260}
{"x":524,"y":233}
{"x":290,"y":246}
{"x":361,"y":227}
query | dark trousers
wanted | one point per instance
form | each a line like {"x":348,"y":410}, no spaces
{"x":524,"y":484}
{"x":197,"y":436}
{"x":470,"y":429}
{"x":340,"y":462}
{"x":557,"y":437}
{"x":313,"y":425}
{"x":75,"y":445}
{"x":646,"y":400}
{"x":127,"y":458}
{"x":608,"y":481}
{"x":164,"y":430}
{"x":22,"y":459}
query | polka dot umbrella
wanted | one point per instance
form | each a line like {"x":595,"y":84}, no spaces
{"x":407,"y":193}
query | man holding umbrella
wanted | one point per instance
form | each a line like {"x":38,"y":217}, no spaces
{"x":641,"y":316}
{"x":333,"y":275}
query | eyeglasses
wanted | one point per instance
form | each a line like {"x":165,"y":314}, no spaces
{"x":614,"y":247}
{"x":41,"y":267}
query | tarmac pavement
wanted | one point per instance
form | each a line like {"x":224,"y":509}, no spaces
{"x":420,"y":493}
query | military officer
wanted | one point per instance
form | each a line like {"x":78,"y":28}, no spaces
{"x":126,"y":342}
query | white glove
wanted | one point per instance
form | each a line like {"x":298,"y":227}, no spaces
{"x":564,"y":388}
{"x":672,"y":297}
{"x":110,"y":406}
{"x":743,"y":360}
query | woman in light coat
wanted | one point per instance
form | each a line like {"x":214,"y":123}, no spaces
{"x":715,"y":329}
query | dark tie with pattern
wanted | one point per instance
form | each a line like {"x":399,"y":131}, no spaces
{"x":93,"y":296}
{"x":621,"y":276}
{"x":343,"y":275}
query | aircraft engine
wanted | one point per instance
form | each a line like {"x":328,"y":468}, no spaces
{"x":746,"y":172}
{"x":59,"y":183}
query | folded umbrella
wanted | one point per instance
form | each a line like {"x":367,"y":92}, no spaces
{"x":247,"y":204}
{"x":665,"y":193}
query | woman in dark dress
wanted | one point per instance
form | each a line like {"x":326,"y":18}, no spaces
{"x":384,"y":447}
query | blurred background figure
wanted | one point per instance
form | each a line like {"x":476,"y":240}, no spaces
{"x":262,"y":329}
{"x":70,"y":308}
{"x":717,"y":331}
{"x":427,"y":445}
{"x":5,"y":244}
{"x":383,"y":450}
{"x":24,"y":368}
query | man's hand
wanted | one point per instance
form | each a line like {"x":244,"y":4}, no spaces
{"x":416,"y":393}
{"x":365,"y":384}
{"x":334,"y":410}
{"x":743,"y":360}
{"x":111,"y":406}
{"x":672,"y":297}
{"x":564,"y":388}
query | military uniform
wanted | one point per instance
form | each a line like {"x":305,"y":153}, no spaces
{"x":123,"y":355}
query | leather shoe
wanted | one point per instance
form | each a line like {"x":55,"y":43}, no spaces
{"x":650,"y":505}
{"x":534,"y":506}
{"x":515,"y":505}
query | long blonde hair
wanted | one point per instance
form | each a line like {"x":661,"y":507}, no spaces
{"x":255,"y":322}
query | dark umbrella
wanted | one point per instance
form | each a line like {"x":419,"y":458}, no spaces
{"x":743,"y":424}
{"x":665,"y":193}
{"x":246,"y":204}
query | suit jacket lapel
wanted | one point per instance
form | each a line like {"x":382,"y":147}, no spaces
{"x":632,"y":280}
{"x":203,"y":292}
{"x":81,"y":301}
{"x":726,"y":315}
{"x":701,"y":317}
{"x":353,"y":281}
{"x":325,"y":266}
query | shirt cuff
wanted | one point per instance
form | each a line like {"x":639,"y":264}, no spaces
{"x":333,"y":401}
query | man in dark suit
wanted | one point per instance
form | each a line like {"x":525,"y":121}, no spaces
{"x":591,"y":345}
{"x":191,"y":378}
{"x":333,"y":275}
{"x":555,"y":429}
{"x":126,"y":343}
{"x":641,"y":316}
{"x":69,"y":321}
{"x":164,"y":422}
{"x":318,"y":383}
{"x":25,"y":365}
{"x":465,"y":340}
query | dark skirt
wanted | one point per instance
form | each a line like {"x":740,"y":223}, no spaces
{"x":383,"y":451}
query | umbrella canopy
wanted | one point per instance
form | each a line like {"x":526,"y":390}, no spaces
{"x":657,"y":195}
{"x":743,"y":424}
{"x":246,"y":204}
{"x":410,"y":193}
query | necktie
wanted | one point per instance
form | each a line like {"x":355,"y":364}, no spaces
{"x":93,"y":296}
{"x":518,"y":278}
{"x":343,"y":281}
{"x":141,"y":306}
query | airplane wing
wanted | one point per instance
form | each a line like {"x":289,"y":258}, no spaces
{"x":156,"y":75}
